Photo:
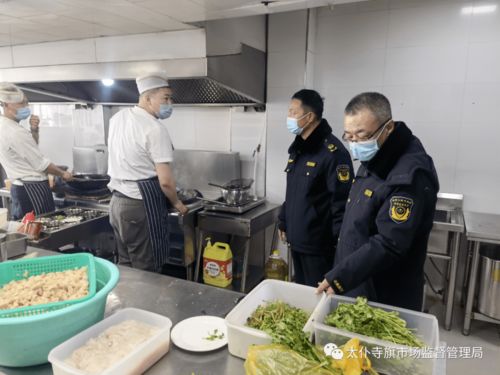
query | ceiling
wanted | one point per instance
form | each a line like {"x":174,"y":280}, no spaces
{"x":36,"y":21}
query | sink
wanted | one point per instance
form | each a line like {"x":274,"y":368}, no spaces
{"x":449,"y":220}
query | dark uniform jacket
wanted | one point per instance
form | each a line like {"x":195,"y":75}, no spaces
{"x":383,"y":241}
{"x":319,"y":173}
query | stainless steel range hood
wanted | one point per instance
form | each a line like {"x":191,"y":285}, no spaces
{"x":232,"y":79}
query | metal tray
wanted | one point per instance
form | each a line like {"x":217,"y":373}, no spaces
{"x":12,"y":245}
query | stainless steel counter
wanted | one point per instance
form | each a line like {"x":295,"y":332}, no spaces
{"x":245,"y":226}
{"x":177,"y":299}
{"x":482,"y":227}
{"x":479,"y":228}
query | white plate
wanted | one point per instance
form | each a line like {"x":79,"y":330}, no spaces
{"x":191,"y":334}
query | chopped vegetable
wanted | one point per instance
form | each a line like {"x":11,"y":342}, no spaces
{"x":285,"y":325}
{"x":214,"y":335}
{"x":374,"y":322}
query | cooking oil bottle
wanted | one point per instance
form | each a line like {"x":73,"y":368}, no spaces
{"x":217,"y":264}
{"x":276,"y":268}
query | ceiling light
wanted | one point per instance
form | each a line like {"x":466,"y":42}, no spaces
{"x":108,"y":82}
{"x":480,"y":9}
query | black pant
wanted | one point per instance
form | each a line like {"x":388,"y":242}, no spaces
{"x":21,"y":203}
{"x":310,"y":269}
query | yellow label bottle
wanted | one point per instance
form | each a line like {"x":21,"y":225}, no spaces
{"x":218,"y":264}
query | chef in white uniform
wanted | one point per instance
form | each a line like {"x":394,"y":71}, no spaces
{"x":142,"y":182}
{"x":20,"y":157}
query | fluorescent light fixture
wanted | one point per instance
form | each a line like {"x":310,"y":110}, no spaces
{"x":108,"y":82}
{"x":479,"y":9}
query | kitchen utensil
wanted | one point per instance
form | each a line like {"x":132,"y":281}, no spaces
{"x":27,"y":341}
{"x":89,"y":181}
{"x":18,"y":269}
{"x":12,"y":245}
{"x":239,"y":183}
{"x":139,"y":359}
{"x":213,"y":201}
{"x":200,"y":334}
{"x":216,"y":185}
{"x":188,"y":196}
{"x":233,"y":195}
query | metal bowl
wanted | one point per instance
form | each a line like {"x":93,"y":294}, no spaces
{"x":75,"y":211}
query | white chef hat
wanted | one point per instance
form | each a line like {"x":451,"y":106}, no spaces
{"x":10,"y":93}
{"x":151,"y":81}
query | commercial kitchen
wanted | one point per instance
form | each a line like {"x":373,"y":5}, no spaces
{"x":231,"y":97}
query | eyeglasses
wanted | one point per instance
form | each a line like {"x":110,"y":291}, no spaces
{"x":347,"y":137}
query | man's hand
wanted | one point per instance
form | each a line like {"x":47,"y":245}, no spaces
{"x":183,"y":210}
{"x":282,"y":235}
{"x":324,"y":286}
{"x":67,"y":176}
{"x":34,"y":122}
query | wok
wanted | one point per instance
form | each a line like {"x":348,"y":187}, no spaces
{"x":89,"y":181}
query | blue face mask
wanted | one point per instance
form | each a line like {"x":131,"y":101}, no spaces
{"x":364,"y":151}
{"x":293,"y":125}
{"x":165,"y":111}
{"x":23,"y":113}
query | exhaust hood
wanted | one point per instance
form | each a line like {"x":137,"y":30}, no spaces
{"x":230,"y":79}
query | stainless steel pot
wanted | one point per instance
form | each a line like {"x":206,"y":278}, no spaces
{"x":234,"y":195}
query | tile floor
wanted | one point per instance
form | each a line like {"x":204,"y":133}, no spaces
{"x":485,"y":335}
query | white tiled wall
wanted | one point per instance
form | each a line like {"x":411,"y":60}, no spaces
{"x":220,"y":129}
{"x":439,"y":68}
{"x":199,"y":128}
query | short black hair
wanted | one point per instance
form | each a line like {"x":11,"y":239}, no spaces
{"x":311,"y":100}
{"x":375,"y":102}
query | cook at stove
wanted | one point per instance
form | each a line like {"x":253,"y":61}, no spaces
{"x":142,"y":182}
{"x":26,"y":167}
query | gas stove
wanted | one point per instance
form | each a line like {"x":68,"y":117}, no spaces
{"x":220,"y":206}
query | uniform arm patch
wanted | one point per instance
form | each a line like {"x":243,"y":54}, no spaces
{"x":400,"y":209}
{"x":343,"y":173}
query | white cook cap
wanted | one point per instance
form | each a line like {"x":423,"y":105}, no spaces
{"x":151,"y":81}
{"x":10,"y":93}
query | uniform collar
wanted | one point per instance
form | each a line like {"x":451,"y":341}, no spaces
{"x":390,"y":152}
{"x":141,"y":111}
{"x":7,"y":120}
{"x":314,"y":141}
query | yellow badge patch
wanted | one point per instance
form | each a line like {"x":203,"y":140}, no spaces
{"x":311,"y":164}
{"x":338,"y":286}
{"x":496,"y":275}
{"x":290,"y":160}
{"x":368,"y":193}
{"x":332,"y":147}
{"x":400,"y":209}
{"x":343,"y":173}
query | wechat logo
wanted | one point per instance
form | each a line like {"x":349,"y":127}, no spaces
{"x":332,"y":350}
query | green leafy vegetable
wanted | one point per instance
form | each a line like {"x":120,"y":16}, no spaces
{"x":214,"y":335}
{"x":285,"y":325}
{"x":374,"y":322}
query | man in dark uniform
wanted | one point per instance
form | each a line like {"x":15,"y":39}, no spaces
{"x":319,"y":173}
{"x":383,"y":241}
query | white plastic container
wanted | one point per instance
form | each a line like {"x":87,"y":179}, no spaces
{"x":240,"y":337}
{"x":137,"y":362}
{"x":425,"y":325}
{"x":3,"y":217}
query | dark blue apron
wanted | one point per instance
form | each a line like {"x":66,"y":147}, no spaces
{"x":156,"y":205}
{"x":32,"y":196}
